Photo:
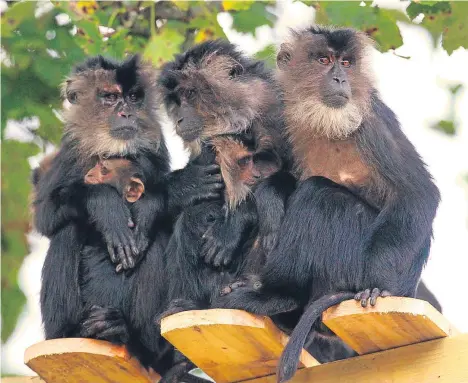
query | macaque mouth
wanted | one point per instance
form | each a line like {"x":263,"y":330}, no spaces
{"x":124,"y":132}
{"x":336,"y":100}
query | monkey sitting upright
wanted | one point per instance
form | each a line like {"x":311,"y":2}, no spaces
{"x":216,"y":96}
{"x":226,"y":110}
{"x":113,"y":114}
{"x":359,"y":223}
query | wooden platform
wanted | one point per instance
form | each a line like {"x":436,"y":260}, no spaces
{"x":76,"y":360}
{"x":408,"y":339}
{"x":216,"y":339}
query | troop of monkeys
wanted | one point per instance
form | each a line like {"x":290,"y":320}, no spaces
{"x":301,"y":191}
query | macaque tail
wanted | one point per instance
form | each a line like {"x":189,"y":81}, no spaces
{"x":290,"y":357}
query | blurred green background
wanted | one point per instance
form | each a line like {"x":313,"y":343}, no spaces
{"x":42,"y":40}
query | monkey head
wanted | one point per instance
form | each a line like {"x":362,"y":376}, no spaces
{"x":213,"y":89}
{"x":112,"y":107}
{"x":326,"y":79}
{"x":120,"y":173}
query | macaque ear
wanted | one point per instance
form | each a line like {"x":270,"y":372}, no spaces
{"x":94,"y":176}
{"x":284,"y":56}
{"x":135,"y":190}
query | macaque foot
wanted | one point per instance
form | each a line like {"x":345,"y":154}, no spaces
{"x":371,"y":296}
{"x":252,"y":283}
{"x":106,"y":323}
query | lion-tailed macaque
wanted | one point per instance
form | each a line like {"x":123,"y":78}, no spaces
{"x":113,"y":114}
{"x":226,"y":109}
{"x":359,"y":224}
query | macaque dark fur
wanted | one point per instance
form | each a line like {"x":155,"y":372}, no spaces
{"x":216,"y":97}
{"x":226,"y":109}
{"x":359,"y":225}
{"x":112,"y":114}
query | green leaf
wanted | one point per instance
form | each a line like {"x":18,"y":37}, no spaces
{"x":237,"y":5}
{"x":268,"y":54}
{"x":256,"y":16}
{"x":445,"y":126}
{"x":163,"y":46}
{"x":380,"y":24}
{"x":455,"y":32}
{"x":15,"y":15}
{"x":15,"y":222}
{"x":448,"y":19}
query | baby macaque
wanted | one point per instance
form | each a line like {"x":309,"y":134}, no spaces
{"x":120,"y":173}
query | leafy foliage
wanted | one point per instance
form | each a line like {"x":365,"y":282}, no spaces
{"x":41,"y":42}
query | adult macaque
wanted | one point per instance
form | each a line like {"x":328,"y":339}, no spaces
{"x":226,"y":109}
{"x":113,"y":114}
{"x":359,"y":224}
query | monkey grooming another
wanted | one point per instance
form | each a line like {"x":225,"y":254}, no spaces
{"x":113,"y":114}
{"x":359,"y":225}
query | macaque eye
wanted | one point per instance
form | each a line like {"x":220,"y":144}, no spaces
{"x":324,"y":60}
{"x":244,"y":161}
{"x":110,"y":97}
{"x":190,"y":94}
{"x":135,"y":96}
{"x":346,"y":63}
{"x":237,"y":70}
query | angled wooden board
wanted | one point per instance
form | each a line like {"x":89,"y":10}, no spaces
{"x":76,"y":360}
{"x":228,"y":345}
{"x":392,"y":322}
{"x":437,"y":361}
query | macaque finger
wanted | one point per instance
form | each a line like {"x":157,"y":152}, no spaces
{"x":123,"y":258}
{"x":129,"y":257}
{"x":374,"y":295}
{"x":112,"y":254}
{"x":365,"y":297}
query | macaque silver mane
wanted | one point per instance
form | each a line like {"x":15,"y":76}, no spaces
{"x":359,"y":224}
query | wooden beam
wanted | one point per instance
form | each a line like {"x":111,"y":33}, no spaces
{"x":392,"y":322}
{"x":438,"y":361}
{"x":76,"y":360}
{"x":228,"y":345}
{"x":22,"y":379}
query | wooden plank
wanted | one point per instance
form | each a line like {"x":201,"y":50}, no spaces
{"x":228,"y":345}
{"x":392,"y":322}
{"x":76,"y":360}
{"x":437,"y":361}
{"x":22,"y":379}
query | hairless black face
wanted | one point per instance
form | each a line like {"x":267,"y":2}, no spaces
{"x":326,"y":80}
{"x":330,"y":58}
{"x":113,"y":106}
{"x":213,"y":89}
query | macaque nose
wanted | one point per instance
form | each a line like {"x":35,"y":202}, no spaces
{"x":339,"y":80}
{"x":124,"y":114}
{"x":256,"y":174}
